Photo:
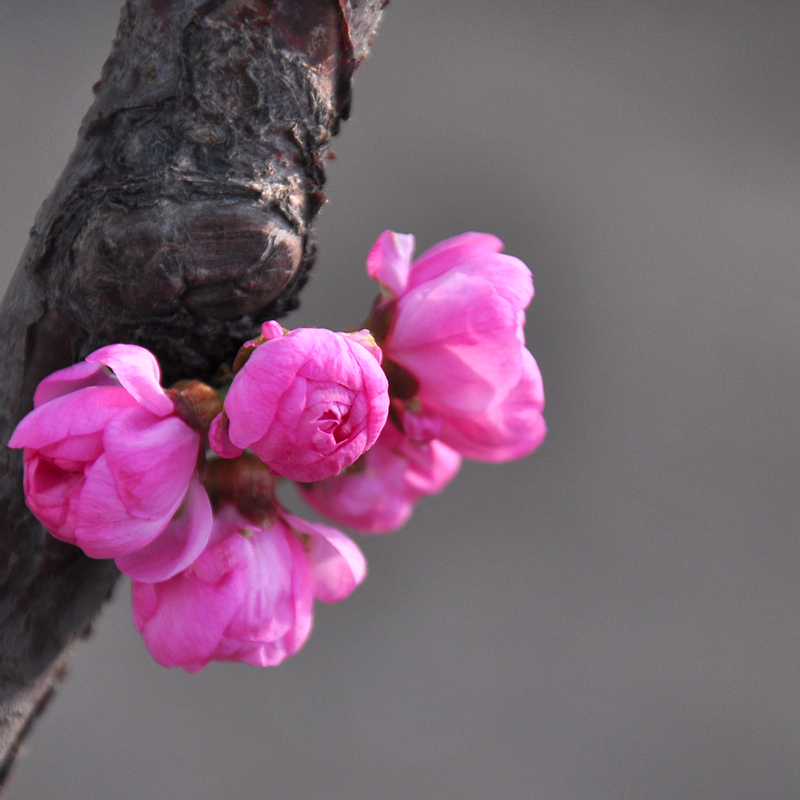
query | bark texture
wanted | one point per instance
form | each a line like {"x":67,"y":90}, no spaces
{"x":182,"y":220}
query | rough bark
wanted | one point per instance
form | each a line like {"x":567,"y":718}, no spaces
{"x":182,"y":220}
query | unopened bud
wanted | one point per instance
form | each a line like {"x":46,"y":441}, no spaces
{"x":269,"y":330}
{"x":366,"y":340}
{"x":196,"y":403}
{"x":246,"y":483}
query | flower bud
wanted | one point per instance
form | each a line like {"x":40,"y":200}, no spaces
{"x":196,"y":403}
{"x":307,"y":403}
{"x":245,"y":483}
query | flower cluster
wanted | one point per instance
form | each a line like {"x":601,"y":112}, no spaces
{"x":461,"y":382}
{"x":178,"y":485}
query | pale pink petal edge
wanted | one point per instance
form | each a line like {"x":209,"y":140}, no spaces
{"x":178,"y":546}
{"x":137,"y":370}
{"x":389,"y":261}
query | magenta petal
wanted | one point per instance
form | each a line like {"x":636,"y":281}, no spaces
{"x":104,"y":528}
{"x":450,"y":253}
{"x":219,"y":440}
{"x":225,"y":552}
{"x":337,"y":564}
{"x":389,"y":261}
{"x":138,"y":371}
{"x":271,"y":330}
{"x":152,"y":459}
{"x":366,"y":501}
{"x":178,"y":545}
{"x":50,"y":493}
{"x":419,"y":426}
{"x":307,"y":404}
{"x":507,"y":276}
{"x":267,"y":611}
{"x":303,"y":594}
{"x":507,"y":430}
{"x":274,"y":651}
{"x":440,"y":464}
{"x":257,"y":388}
{"x":83,"y":412}
{"x":65,"y":381}
{"x":461,"y":342}
{"x":144,"y":604}
{"x":360,"y":502}
{"x":182,"y":620}
{"x":367,"y":341}
{"x":494,"y":443}
{"x":379,"y":495}
{"x":74,"y":453}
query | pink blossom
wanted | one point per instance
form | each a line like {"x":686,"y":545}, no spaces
{"x":249,"y":597}
{"x":307,"y":403}
{"x":451,"y":326}
{"x":377,"y":494}
{"x":108,"y":464}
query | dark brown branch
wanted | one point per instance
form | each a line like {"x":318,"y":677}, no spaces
{"x":182,"y":220}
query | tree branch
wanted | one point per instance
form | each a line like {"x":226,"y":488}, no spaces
{"x":182,"y":220}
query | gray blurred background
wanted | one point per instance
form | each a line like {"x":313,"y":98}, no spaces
{"x":617,"y":616}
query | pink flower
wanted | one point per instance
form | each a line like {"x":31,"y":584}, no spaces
{"x":108,"y":465}
{"x":249,"y":597}
{"x":451,"y":326}
{"x":307,"y":403}
{"x":377,"y":494}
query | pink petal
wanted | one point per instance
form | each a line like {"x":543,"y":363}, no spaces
{"x":328,"y":434}
{"x":138,"y":371}
{"x":144,"y":604}
{"x":389,"y":261}
{"x":219,"y":440}
{"x":74,"y":453}
{"x":50,"y":492}
{"x":273,"y":652}
{"x":271,"y":330}
{"x":65,"y":381}
{"x":375,"y":392}
{"x":419,"y":426}
{"x":370,"y":498}
{"x":257,"y":388}
{"x":508,"y":276}
{"x":182,"y":620}
{"x":337,"y":565}
{"x":507,"y":430}
{"x":85,"y":411}
{"x":104,"y":528}
{"x":450,"y":253}
{"x":460,"y":340}
{"x":227,"y":549}
{"x":274,"y":617}
{"x":367,"y":341}
{"x":378,"y":496}
{"x":303,"y":593}
{"x":152,"y":460}
{"x":178,"y":545}
{"x":267,"y":610}
{"x":307,"y":404}
{"x":430,"y":466}
{"x":359,"y":500}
